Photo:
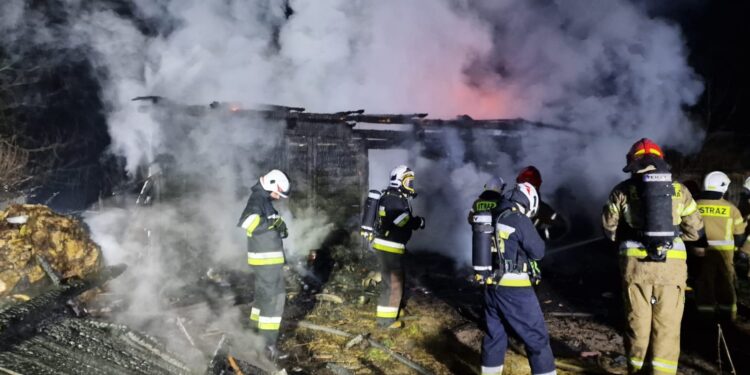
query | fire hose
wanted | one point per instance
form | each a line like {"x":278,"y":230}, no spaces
{"x":573,"y":245}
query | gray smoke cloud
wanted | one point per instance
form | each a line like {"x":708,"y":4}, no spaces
{"x":605,"y":69}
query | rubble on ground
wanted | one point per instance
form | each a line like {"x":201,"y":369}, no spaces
{"x":32,"y":235}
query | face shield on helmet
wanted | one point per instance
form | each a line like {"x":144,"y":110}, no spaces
{"x":276,"y":181}
{"x":716,"y":181}
{"x":402,"y":178}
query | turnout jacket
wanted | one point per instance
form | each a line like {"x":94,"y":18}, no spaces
{"x":744,"y":208}
{"x":489,"y":200}
{"x":519,"y":242}
{"x":396,"y":222}
{"x":548,"y":222}
{"x":725,"y":226}
{"x":623,"y":217}
{"x":260,"y":221}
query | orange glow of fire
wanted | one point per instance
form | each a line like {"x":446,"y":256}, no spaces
{"x":480,"y":104}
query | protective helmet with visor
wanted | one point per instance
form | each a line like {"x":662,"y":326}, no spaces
{"x":402,"y":178}
{"x":276,"y":181}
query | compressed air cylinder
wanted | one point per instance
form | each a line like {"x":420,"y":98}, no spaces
{"x":481,"y":241}
{"x":370,"y":213}
{"x":658,"y":227}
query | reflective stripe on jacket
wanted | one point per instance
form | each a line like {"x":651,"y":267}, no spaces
{"x":723,"y":221}
{"x":622,"y":215}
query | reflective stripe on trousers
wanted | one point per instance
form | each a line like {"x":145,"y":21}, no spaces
{"x":387,"y":312}
{"x":638,"y":250}
{"x":388,"y":246}
{"x":496,"y":370}
{"x":269,"y":323}
{"x":663,"y":365}
{"x":265,"y":258}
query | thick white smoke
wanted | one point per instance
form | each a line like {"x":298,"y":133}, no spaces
{"x":604,"y":69}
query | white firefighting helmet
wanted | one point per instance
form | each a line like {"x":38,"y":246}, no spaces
{"x":716,"y":181}
{"x":276,"y":181}
{"x":526,"y":198}
{"x":402,"y":178}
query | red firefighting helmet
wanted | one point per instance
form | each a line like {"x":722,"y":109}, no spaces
{"x":531,"y":175}
{"x":640,"y":149}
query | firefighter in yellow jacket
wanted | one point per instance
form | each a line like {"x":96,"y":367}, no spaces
{"x":744,"y":207}
{"x":725,"y":231}
{"x":651,"y":217}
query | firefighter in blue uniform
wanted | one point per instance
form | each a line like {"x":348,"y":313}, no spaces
{"x":509,"y":297}
{"x":265,"y":230}
{"x":396,"y":223}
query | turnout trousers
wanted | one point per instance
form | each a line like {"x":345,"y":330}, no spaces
{"x":715,"y":285}
{"x":391,"y":287}
{"x":270,"y":295}
{"x":516,"y":308}
{"x":654,"y":313}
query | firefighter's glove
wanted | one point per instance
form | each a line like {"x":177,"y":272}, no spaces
{"x":279,"y":225}
{"x":421,"y":222}
{"x":535,"y":274}
{"x":742,"y":256}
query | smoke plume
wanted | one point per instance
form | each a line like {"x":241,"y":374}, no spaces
{"x":605,"y":70}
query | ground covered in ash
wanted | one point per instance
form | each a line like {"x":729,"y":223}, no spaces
{"x":329,"y":325}
{"x":442,"y":332}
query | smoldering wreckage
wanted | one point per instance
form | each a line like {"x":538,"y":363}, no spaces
{"x":60,"y":316}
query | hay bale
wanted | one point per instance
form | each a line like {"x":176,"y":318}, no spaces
{"x":28,"y":231}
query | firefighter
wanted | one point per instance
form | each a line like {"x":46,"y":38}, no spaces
{"x":509,"y":298}
{"x":642,"y":214}
{"x":265,"y":230}
{"x":725,"y":229}
{"x":548,"y":223}
{"x":489,"y":199}
{"x":396,"y":223}
{"x":744,"y":206}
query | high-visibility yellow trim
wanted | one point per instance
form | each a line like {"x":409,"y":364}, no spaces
{"x":515,"y":280}
{"x":381,"y":211}
{"x":666,"y":361}
{"x":250,"y":223}
{"x":269,"y":323}
{"x":265,"y":259}
{"x":504,"y":231}
{"x":402,"y":219}
{"x":649,"y":150}
{"x":254,"y":314}
{"x":388,"y":312}
{"x":714,"y":210}
{"x":689,"y":209}
{"x":641,"y":253}
{"x":662,"y":365}
{"x":636,"y":362}
{"x":388,"y":246}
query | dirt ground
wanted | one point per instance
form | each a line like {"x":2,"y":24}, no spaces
{"x":442,"y":332}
